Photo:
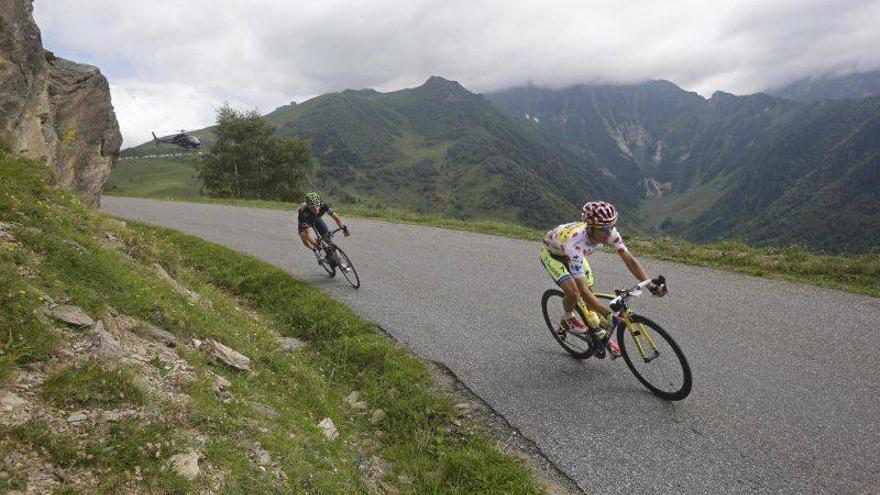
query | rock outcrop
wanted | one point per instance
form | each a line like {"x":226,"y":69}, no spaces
{"x":53,"y":109}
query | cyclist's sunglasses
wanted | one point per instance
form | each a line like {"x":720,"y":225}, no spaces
{"x":604,"y":229}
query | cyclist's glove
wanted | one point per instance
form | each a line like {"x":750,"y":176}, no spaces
{"x":658,"y":290}
{"x":345,"y":230}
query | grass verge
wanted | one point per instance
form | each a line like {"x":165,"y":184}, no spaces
{"x":115,"y":425}
{"x":856,"y":273}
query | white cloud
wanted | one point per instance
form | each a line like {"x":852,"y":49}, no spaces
{"x":171,"y":64}
{"x":161,"y":108}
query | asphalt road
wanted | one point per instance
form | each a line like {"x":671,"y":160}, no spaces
{"x":786,"y":392}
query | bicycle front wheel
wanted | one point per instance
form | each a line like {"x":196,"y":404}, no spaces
{"x":347,"y":268}
{"x":654,"y":358}
{"x":578,"y":344}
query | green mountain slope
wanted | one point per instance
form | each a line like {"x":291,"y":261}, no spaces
{"x":728,"y":166}
{"x":814,"y":181}
{"x":441,"y":149}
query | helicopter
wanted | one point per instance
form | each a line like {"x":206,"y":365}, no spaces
{"x":182,"y":139}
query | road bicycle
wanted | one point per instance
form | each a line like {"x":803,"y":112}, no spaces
{"x":648,"y":350}
{"x":335,"y":258}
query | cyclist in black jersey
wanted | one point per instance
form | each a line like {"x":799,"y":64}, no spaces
{"x":309,"y":216}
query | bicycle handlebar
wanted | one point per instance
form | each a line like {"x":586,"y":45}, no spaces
{"x":330,"y":234}
{"x":623,"y":295}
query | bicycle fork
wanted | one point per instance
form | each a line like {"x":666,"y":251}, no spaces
{"x":639,"y":331}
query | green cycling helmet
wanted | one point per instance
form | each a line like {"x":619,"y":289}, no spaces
{"x":313,"y":199}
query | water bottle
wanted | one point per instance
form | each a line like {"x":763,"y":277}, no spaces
{"x":592,"y":319}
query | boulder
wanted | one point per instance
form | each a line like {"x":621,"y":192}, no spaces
{"x":227,"y":356}
{"x":86,"y":128}
{"x":186,"y":464}
{"x":220,"y":384}
{"x":103,"y":344}
{"x":180,"y":288}
{"x":153,"y":332}
{"x":77,"y":417}
{"x":71,"y":315}
{"x":54,"y":110}
{"x":329,"y":429}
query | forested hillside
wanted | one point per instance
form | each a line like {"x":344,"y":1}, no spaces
{"x":758,"y":168}
{"x":439,"y":148}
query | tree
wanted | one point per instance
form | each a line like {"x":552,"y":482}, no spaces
{"x":249,"y":161}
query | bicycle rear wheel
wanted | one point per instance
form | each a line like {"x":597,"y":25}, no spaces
{"x":347,"y":268}
{"x":660,"y":364}
{"x":578,"y":344}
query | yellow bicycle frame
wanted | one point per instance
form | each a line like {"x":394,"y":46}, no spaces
{"x":637,"y":330}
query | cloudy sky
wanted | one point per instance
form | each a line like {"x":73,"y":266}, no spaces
{"x":171,"y":64}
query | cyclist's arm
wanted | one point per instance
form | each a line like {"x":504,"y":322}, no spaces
{"x":336,"y":218}
{"x":303,"y":227}
{"x":633,"y":265}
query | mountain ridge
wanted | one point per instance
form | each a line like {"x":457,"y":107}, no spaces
{"x":463,"y":157}
{"x":711,"y":167}
{"x":706,"y":169}
{"x":856,"y":85}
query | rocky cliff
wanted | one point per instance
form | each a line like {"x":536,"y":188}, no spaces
{"x":53,"y":109}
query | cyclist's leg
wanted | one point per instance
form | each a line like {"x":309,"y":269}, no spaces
{"x":594,"y":320}
{"x":320,"y":228}
{"x":561,"y":277}
{"x":305,"y":236}
{"x":592,"y":317}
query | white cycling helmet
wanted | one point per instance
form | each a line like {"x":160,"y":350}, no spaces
{"x":599,"y":214}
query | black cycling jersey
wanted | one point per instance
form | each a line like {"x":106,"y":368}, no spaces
{"x":307,"y":219}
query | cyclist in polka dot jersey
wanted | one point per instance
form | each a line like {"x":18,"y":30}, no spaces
{"x":563,"y":255}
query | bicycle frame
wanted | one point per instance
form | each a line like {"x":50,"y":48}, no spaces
{"x":619,"y":305}
{"x":671,"y":379}
{"x":326,"y":240}
{"x":329,"y":236}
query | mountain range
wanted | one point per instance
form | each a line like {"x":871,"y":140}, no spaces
{"x":757,"y":167}
{"x":832,"y":87}
{"x":764,"y":169}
